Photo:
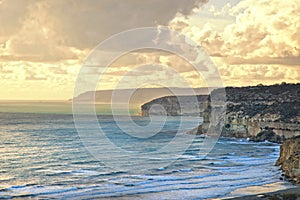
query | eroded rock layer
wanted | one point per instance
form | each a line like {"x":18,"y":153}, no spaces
{"x":256,"y":112}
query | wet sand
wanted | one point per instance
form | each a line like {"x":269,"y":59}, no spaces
{"x":287,"y":194}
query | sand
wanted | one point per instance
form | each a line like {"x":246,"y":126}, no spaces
{"x":287,"y":194}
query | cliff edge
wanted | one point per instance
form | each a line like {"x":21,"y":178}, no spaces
{"x":289,"y":159}
{"x":257,"y":112}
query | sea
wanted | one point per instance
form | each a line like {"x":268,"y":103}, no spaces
{"x":42,"y":156}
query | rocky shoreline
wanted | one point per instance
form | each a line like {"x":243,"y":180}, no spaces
{"x":289,"y":159}
{"x":259,"y":113}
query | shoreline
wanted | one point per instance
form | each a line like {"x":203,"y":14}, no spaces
{"x":249,"y":192}
{"x":290,"y":193}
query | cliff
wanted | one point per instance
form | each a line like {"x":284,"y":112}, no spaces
{"x":259,"y":112}
{"x":256,"y":112}
{"x":174,"y":106}
{"x":289,"y":159}
{"x":137,"y":96}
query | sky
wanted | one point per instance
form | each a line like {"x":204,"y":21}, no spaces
{"x":44,"y":43}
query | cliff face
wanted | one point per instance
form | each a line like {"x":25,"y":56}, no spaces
{"x":260,"y":113}
{"x":289,"y":159}
{"x":250,"y":111}
{"x":174,"y":106}
{"x":262,"y":109}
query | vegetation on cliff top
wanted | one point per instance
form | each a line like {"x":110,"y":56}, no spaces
{"x":282,"y":101}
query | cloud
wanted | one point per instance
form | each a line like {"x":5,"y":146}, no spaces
{"x":4,"y":70}
{"x":34,"y":77}
{"x":31,"y":80}
{"x":260,"y":45}
{"x":44,"y":42}
{"x":289,"y":61}
{"x":11,"y":14}
{"x":54,"y":30}
{"x":262,"y":29}
{"x":85,"y":23}
{"x":253,"y":74}
{"x":58,"y":70}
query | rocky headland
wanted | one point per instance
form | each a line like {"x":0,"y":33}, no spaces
{"x":260,"y":113}
{"x":257,"y":112}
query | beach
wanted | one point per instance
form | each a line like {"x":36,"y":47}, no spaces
{"x":286,"y":194}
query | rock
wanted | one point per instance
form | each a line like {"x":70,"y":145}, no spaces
{"x":196,"y":131}
{"x":249,"y":111}
{"x":289,"y":160}
{"x":267,"y":135}
{"x":176,"y":106}
{"x":199,"y":130}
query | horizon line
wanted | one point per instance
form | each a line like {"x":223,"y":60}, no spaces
{"x":70,"y":99}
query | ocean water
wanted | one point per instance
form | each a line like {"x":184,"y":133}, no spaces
{"x":43,"y":156}
{"x":55,"y":107}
